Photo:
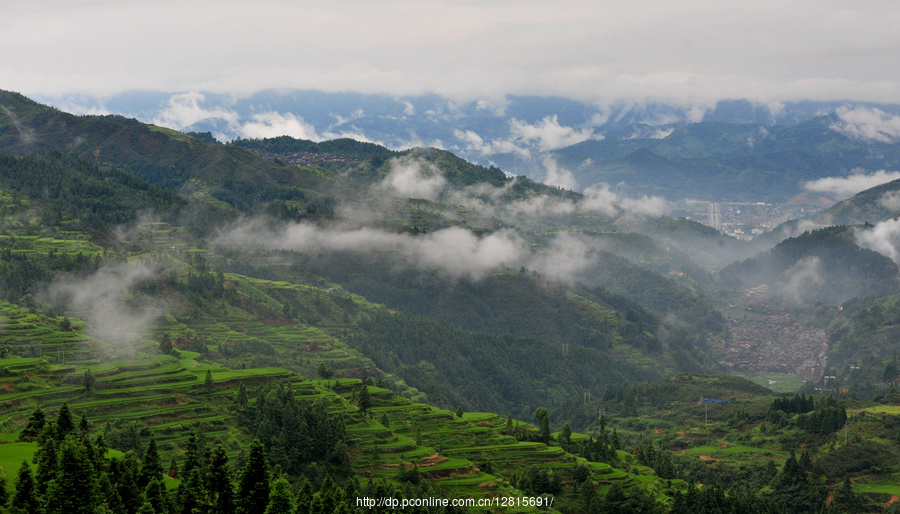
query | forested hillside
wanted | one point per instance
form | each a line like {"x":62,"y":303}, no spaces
{"x":824,"y":265}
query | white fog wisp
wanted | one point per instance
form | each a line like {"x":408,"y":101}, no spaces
{"x":454,"y":251}
{"x":106,"y":300}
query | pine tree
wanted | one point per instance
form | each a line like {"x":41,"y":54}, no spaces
{"x":88,"y":381}
{"x":108,"y":495}
{"x":25,"y":498}
{"x":208,"y":385}
{"x":34,"y":426}
{"x":65,"y":423}
{"x":253,"y":487}
{"x":165,"y":345}
{"x":46,"y":458}
{"x":565,"y":436}
{"x":191,"y":455}
{"x":543,"y":418}
{"x":305,"y":492}
{"x":152,"y":466}
{"x":847,"y":497}
{"x":242,"y":398}
{"x":219,"y":489}
{"x":155,"y":495}
{"x":146,"y":508}
{"x":280,"y":501}
{"x":191,"y":493}
{"x":614,"y":440}
{"x":126,"y":473}
{"x":365,"y":400}
{"x":74,"y":488}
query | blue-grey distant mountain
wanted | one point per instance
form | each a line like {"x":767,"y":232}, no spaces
{"x":714,"y":160}
{"x":734,"y":150}
{"x":873,"y":205}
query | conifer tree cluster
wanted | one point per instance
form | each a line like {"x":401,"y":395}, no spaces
{"x":73,"y":472}
{"x":294,"y":433}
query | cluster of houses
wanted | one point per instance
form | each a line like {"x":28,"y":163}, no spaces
{"x":774,"y":344}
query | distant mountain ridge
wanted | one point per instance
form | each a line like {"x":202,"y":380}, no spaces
{"x":733,"y":150}
{"x":157,"y":154}
{"x":873,"y":205}
{"x":717,"y":161}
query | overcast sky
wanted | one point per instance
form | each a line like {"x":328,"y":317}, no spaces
{"x":672,"y":50}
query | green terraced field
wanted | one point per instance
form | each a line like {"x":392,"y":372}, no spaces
{"x":780,"y":383}
{"x":166,"y":395}
{"x":888,"y":484}
{"x":732,"y":449}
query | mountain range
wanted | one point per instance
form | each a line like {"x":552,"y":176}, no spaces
{"x":733,"y":150}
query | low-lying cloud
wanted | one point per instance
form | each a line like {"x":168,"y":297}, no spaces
{"x":564,"y":260}
{"x":274,"y":124}
{"x":867,"y":124}
{"x":453,"y":251}
{"x":890,"y":201}
{"x":26,"y":133}
{"x":558,"y":176}
{"x":600,"y":198}
{"x":548,"y":134}
{"x":527,"y":139}
{"x":797,"y":227}
{"x":883,"y":238}
{"x":845,"y":187}
{"x":806,"y":273}
{"x":184,"y":109}
{"x":653,"y":206}
{"x":107,"y":301}
{"x":413,"y":178}
{"x":478,"y":145}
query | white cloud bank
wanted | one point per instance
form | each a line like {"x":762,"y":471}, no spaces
{"x":453,"y":251}
{"x":526,"y":139}
{"x":106,"y":301}
{"x":274,"y":124}
{"x":845,"y":187}
{"x":184,"y":109}
{"x":883,"y":238}
{"x":548,"y":134}
{"x":890,"y":201}
{"x":558,"y":176}
{"x":413,"y":178}
{"x":804,"y":274}
{"x":867,"y":124}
